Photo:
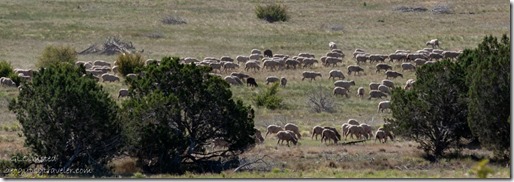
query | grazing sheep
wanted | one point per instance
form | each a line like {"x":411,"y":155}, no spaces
{"x":292,"y":63}
{"x":316,"y":130}
{"x":373,"y":86}
{"x":283,"y":82}
{"x":241,"y":76}
{"x":272,"y":79}
{"x":356,"y":130}
{"x":215,"y":66}
{"x":376,"y":94}
{"x":387,"y":132}
{"x":306,"y":55}
{"x":434,"y":43}
{"x":109,"y":77}
{"x":292,"y":127}
{"x":397,"y":56}
{"x":353,"y":122}
{"x":230,"y":66}
{"x":337,"y":50}
{"x":383,"y":105}
{"x":420,"y":61}
{"x":273,"y":129}
{"x":268,"y":53}
{"x":387,"y":83}
{"x":430,"y":62}
{"x":335,"y":55}
{"x":361,"y":58}
{"x":287,"y":136}
{"x":345,"y":84}
{"x":414,"y":56}
{"x":408,"y":66}
{"x":381,"y":136}
{"x":242,"y":59}
{"x":123,"y":93}
{"x":258,"y":136}
{"x":450,"y":54}
{"x":233,"y":80}
{"x":408,"y":84}
{"x":26,"y":72}
{"x":383,"y":66}
{"x":435,"y":56}
{"x":311,"y":74}
{"x":328,"y":134}
{"x":393,"y":74}
{"x":341,"y":91}
{"x":101,"y":63}
{"x":256,"y":51}
{"x":360,"y":92}
{"x":309,"y":62}
{"x":334,"y":130}
{"x":354,"y":68}
{"x":115,"y":69}
{"x":344,"y":128}
{"x":384,"y":89}
{"x":368,"y":131}
{"x":255,"y":56}
{"x":189,"y":60}
{"x":332,"y":45}
{"x":270,"y":64}
{"x":252,"y":65}
{"x":131,"y":76}
{"x":336,"y":73}
{"x":7,"y":82}
{"x":251,"y":82}
{"x":332,"y":61}
{"x":377,"y":58}
{"x":226,"y":59}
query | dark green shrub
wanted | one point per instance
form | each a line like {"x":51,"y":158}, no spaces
{"x":272,"y":13}
{"x":269,"y":98}
{"x":127,"y":63}
{"x":57,"y":54}
{"x":5,"y":69}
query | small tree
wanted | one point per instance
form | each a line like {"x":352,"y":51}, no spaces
{"x":57,"y":54}
{"x":269,"y":98}
{"x":321,"y":100}
{"x":272,"y":13}
{"x":175,"y":112}
{"x":129,"y":63}
{"x":434,"y":112}
{"x":68,"y":116}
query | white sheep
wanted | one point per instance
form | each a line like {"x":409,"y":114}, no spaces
{"x":408,"y":66}
{"x":292,"y":127}
{"x":272,"y":129}
{"x":252,"y":65}
{"x":328,"y":134}
{"x":255,"y":56}
{"x":151,"y":61}
{"x":384,"y":89}
{"x":310,"y":74}
{"x":361,"y":58}
{"x":270,"y":64}
{"x":131,"y":76}
{"x":434,"y":43}
{"x":233,"y":80}
{"x":393,"y":74}
{"x":338,"y":136}
{"x":287,"y":136}
{"x":341,"y":91}
{"x":123,"y":93}
{"x":377,"y":58}
{"x":309,"y":62}
{"x":335,"y":55}
{"x":215,"y":66}
{"x":241,"y":76}
{"x":5,"y":81}
{"x":408,"y":84}
{"x":345,"y":84}
{"x":414,"y":56}
{"x":387,"y":83}
{"x":306,"y":55}
{"x":242,"y":59}
{"x":383,"y":66}
{"x":272,"y":79}
{"x":383,"y":105}
{"x":420,"y":61}
{"x":360,"y":92}
{"x":189,"y":60}
{"x":332,"y":61}
{"x":376,"y":94}
{"x":397,"y":56}
{"x":25,"y":72}
{"x":435,"y":56}
{"x":316,"y":130}
{"x":283,"y":82}
{"x":109,"y":77}
{"x":373,"y":86}
{"x":101,"y":63}
{"x":354,"y":68}
{"x":381,"y":136}
{"x":336,"y":73}
{"x":230,"y":66}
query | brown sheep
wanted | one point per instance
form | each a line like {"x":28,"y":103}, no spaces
{"x":292,"y":127}
{"x":368,"y":131}
{"x":287,"y":136}
{"x":381,"y":136}
{"x":335,"y":132}
{"x":356,"y":130}
{"x":273,"y":129}
{"x":328,"y":134}
{"x":316,"y":130}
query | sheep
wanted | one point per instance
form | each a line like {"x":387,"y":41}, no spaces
{"x":387,"y":132}
{"x":337,"y":50}
{"x":408,"y":66}
{"x":279,"y":56}
{"x":101,"y":63}
{"x":251,"y":82}
{"x":26,"y":72}
{"x":311,"y":74}
{"x":376,"y":94}
{"x":283,"y":82}
{"x":450,"y":54}
{"x":316,"y":130}
{"x":272,"y":79}
{"x":115,"y":69}
{"x":109,"y":77}
{"x":332,"y":61}
{"x":414,"y":56}
{"x":361,"y":58}
{"x":230,"y":66}
{"x":435,"y":56}
{"x":226,"y":59}
{"x":131,"y":76}
{"x":381,"y":136}
{"x":377,"y":58}
{"x":383,"y":105}
{"x":373,"y":86}
{"x":123,"y":93}
{"x":151,"y":61}
{"x":255,"y":51}
{"x":292,"y":127}
{"x":344,"y":84}
{"x":397,"y":56}
{"x":357,"y":52}
{"x":292,"y":63}
{"x":393,"y":74}
{"x":354,"y":68}
{"x":273,"y":129}
{"x":344,"y":128}
{"x":309,"y":62}
{"x":254,"y":56}
{"x":360,"y":92}
{"x":215,"y":66}
{"x":306,"y":55}
{"x":420,"y":61}
{"x":287,"y":136}
{"x":233,"y":80}
{"x":270,"y":64}
{"x":95,"y":72}
{"x":335,"y":131}
{"x":383,"y":66}
{"x":356,"y":130}
{"x":384,"y":89}
{"x":368,"y":131}
{"x":258,"y":136}
{"x":242,"y":59}
{"x":430,"y":62}
{"x":332,"y":45}
{"x":328,"y":134}
{"x":336,"y":73}
{"x":189,"y":60}
{"x":7,"y":82}
{"x":341,"y":91}
{"x":434,"y":43}
{"x":268,"y":53}
{"x":241,"y":76}
{"x":353,"y":122}
{"x":408,"y":84}
{"x":335,"y":55}
{"x":387,"y":83}
{"x":252,"y":65}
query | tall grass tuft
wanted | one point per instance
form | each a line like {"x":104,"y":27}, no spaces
{"x":127,"y":63}
{"x":269,"y":98}
{"x":272,"y":13}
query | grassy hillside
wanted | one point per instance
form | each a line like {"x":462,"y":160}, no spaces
{"x":230,"y":28}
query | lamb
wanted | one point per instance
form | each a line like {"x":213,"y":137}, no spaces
{"x":283,"y":82}
{"x":408,"y":66}
{"x":373,"y":86}
{"x":328,"y":134}
{"x":383,"y":66}
{"x":309,"y":62}
{"x":387,"y":83}
{"x":336,"y":73}
{"x":316,"y":130}
{"x":272,"y":79}
{"x":408,"y":84}
{"x":368,"y":131}
{"x":360,"y":92}
{"x":393,"y":74}
{"x":109,"y":77}
{"x":252,"y":65}
{"x":233,"y":80}
{"x":332,"y":61}
{"x":344,"y":84}
{"x":376,"y":94}
{"x":123,"y":93}
{"x":292,"y":127}
{"x":434,"y":43}
{"x":251,"y":82}
{"x":273,"y":129}
{"x":384,"y":89}
{"x":341,"y":91}
{"x":356,"y":130}
{"x":354,"y":68}
{"x":287,"y":136}
{"x":332,"y":45}
{"x":311,"y":74}
{"x":383,"y":105}
{"x":242,"y":59}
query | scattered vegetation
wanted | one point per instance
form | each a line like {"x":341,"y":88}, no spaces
{"x":129,"y":63}
{"x":321,"y":100}
{"x":272,"y":13}
{"x":53,"y":55}
{"x":173,"y":20}
{"x":269,"y":98}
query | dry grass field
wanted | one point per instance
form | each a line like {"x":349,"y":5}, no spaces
{"x":230,"y":28}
